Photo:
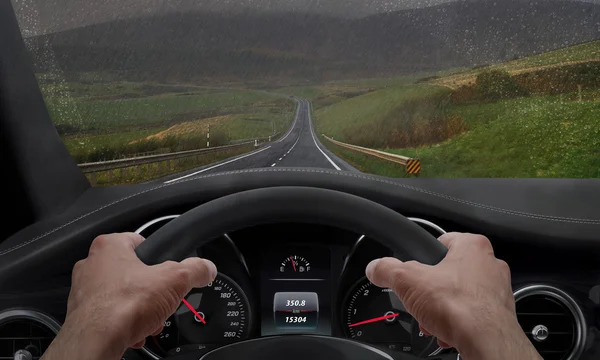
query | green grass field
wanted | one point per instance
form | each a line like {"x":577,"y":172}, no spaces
{"x":530,"y":136}
{"x":549,"y":136}
{"x":583,"y":52}
{"x":371,"y":111}
{"x":85,"y":115}
{"x":570,"y":55}
{"x":147,"y":172}
{"x":106,"y":120}
{"x":527,"y":137}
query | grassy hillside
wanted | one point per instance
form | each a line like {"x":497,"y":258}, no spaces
{"x":108,"y":120}
{"x":526,"y":137}
{"x":570,"y":55}
{"x":86,"y":113}
{"x":385,"y":117}
{"x":544,"y":136}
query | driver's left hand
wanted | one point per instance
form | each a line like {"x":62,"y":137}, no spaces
{"x":116,"y":300}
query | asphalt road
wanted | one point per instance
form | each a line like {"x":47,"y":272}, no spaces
{"x":299,"y":147}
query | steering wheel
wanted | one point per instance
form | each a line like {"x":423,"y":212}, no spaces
{"x":181,"y":236}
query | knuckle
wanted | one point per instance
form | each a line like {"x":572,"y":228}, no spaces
{"x":100,"y":242}
{"x":398,"y":279}
{"x":411,"y":265}
{"x":78,"y":267}
{"x":183,"y":274}
{"x":204,"y":271}
{"x":503,"y":266}
{"x":170,"y":265}
{"x":481,"y":242}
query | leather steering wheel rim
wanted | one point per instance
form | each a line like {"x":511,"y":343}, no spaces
{"x":290,"y":204}
{"x":175,"y":240}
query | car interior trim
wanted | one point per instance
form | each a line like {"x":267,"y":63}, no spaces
{"x":30,"y":314}
{"x":429,"y":224}
{"x":154,"y":221}
{"x":354,"y":343}
{"x":329,"y":172}
{"x":566,"y":300}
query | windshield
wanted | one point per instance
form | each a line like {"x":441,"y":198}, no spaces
{"x":146,"y":90}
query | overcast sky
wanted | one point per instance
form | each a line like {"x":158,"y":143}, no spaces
{"x":42,"y":16}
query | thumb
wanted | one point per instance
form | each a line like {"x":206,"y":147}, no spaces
{"x":183,"y":276}
{"x":202,"y":271}
{"x":392,"y":273}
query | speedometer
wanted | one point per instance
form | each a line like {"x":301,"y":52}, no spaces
{"x":376,"y":315}
{"x":208,"y":317}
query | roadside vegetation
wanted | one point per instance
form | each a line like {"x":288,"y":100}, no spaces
{"x":573,"y":55}
{"x":146,"y":172}
{"x":544,"y":122}
{"x":101,"y":121}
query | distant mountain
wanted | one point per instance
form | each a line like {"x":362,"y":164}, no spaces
{"x":211,"y":46}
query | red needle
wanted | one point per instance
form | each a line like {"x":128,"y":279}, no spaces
{"x":374,"y":320}
{"x":293,"y":265}
{"x":193,"y":310}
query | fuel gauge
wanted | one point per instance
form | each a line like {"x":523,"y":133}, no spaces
{"x":294,"y":264}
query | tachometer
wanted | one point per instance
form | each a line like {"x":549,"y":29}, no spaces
{"x":377,"y":316}
{"x":208,"y":317}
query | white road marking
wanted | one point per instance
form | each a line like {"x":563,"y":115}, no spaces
{"x":293,"y":124}
{"x":221,"y":164}
{"x":273,"y":165}
{"x":293,"y":146}
{"x":280,"y":158}
{"x":315,"y":139}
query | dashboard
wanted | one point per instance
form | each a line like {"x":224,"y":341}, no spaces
{"x":290,"y":279}
{"x":297,"y":278}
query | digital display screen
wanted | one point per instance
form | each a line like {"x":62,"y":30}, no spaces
{"x":296,"y":291}
{"x":296,"y":310}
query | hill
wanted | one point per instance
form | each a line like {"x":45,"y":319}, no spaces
{"x":572,"y":55}
{"x":216,"y":46}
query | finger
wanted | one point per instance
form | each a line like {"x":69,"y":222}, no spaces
{"x":115,"y":242}
{"x":139,"y":345}
{"x":449,"y":239}
{"x":443,"y":345}
{"x":202,"y":271}
{"x":188,"y":274}
{"x":467,"y":242}
{"x":392,"y":273}
{"x":157,"y":331}
{"x":132,"y":240}
{"x":425,"y":332}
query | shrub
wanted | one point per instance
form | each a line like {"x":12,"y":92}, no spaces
{"x":495,"y":85}
{"x":415,"y":122}
{"x":562,"y":79}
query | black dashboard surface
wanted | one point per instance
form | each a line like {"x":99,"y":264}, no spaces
{"x":545,"y":229}
{"x":556,"y":214}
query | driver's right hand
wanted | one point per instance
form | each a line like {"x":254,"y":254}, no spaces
{"x":466,"y":300}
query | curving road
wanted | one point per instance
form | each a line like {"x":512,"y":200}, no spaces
{"x":299,"y":147}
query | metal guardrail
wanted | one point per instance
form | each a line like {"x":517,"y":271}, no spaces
{"x":413,"y":166}
{"x":94,"y":167}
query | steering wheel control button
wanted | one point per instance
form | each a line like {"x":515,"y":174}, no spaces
{"x":540,"y":333}
{"x":296,"y":310}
